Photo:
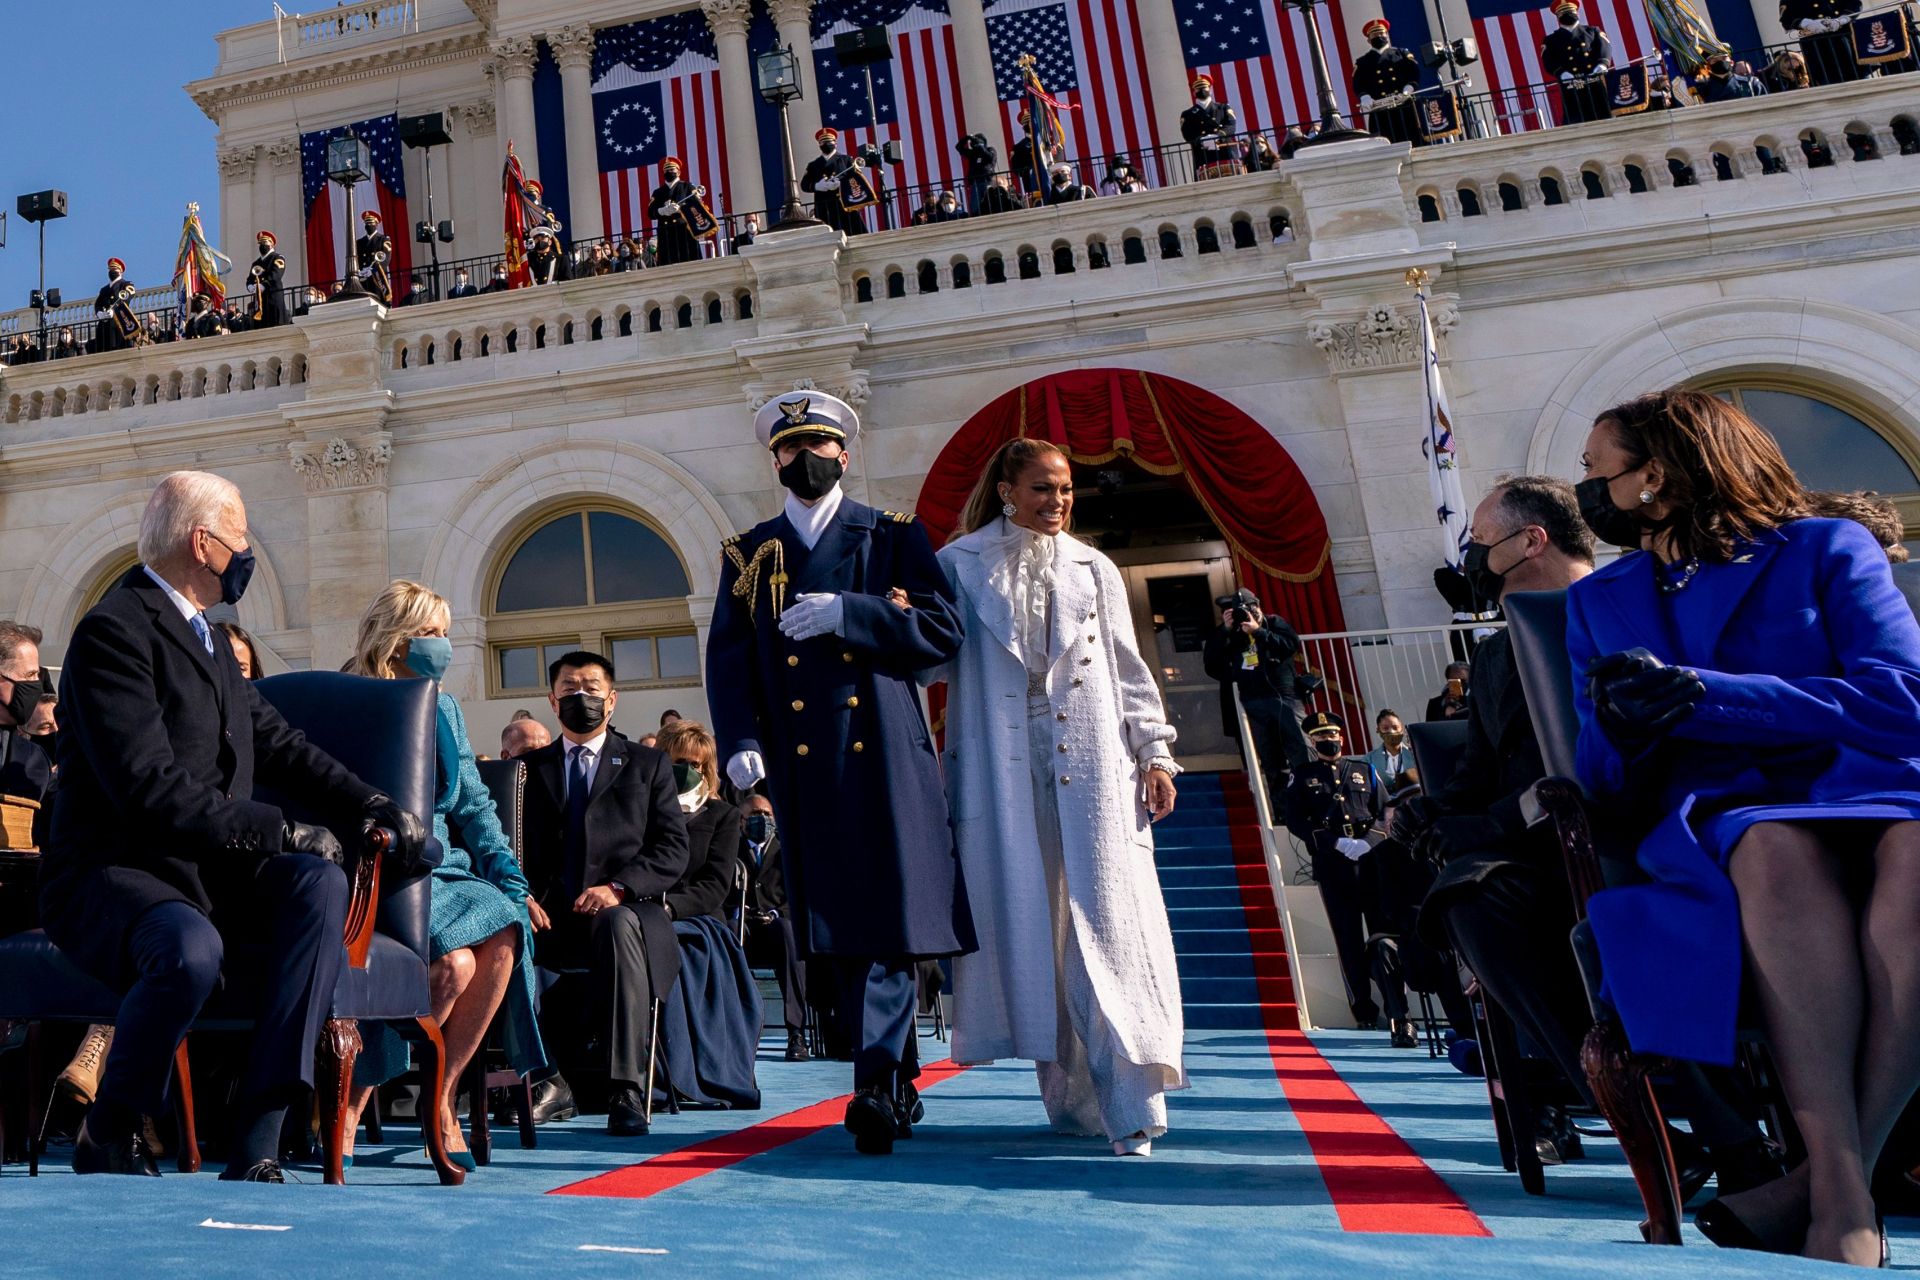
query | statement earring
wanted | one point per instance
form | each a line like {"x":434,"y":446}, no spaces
{"x":1646,"y":496}
{"x":1006,"y":509}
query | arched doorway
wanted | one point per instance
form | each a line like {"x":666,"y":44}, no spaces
{"x":1187,"y":494}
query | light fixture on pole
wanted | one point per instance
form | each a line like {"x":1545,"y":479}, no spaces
{"x":423,"y":133}
{"x":350,"y":161}
{"x":1333,"y":125}
{"x":776,"y":74}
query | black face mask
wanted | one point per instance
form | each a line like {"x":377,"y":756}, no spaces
{"x":1485,"y":582}
{"x":759,"y":827}
{"x":1610,"y":524}
{"x":1378,"y":42}
{"x":25,"y":700}
{"x":810,"y":477}
{"x":582,"y":712}
{"x":1329,"y":748}
{"x":1568,"y":19}
{"x":238,"y":573}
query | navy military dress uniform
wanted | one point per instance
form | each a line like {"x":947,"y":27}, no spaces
{"x":830,"y":201}
{"x":871,"y":869}
{"x":113,"y":309}
{"x":268,"y":275}
{"x":1209,"y":128}
{"x":1582,"y":52}
{"x":375,"y":250}
{"x":1826,"y":41}
{"x":1382,"y":73}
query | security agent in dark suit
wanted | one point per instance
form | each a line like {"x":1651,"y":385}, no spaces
{"x":769,"y":921}
{"x":161,"y":865}
{"x":1575,"y":54}
{"x":1254,"y":652}
{"x":605,"y":843}
{"x":825,"y":613}
{"x":462,"y":286}
{"x":1333,"y":806}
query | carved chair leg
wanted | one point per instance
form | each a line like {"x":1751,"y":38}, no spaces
{"x":339,"y":1046}
{"x":1622,"y":1083}
{"x":433,"y":1086}
{"x":479,"y":1123}
{"x":187,"y":1160}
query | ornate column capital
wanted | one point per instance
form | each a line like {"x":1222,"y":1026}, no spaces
{"x":342,"y":463}
{"x":727,"y":17}
{"x":476,"y":115}
{"x":237,"y":162}
{"x":852,"y":386}
{"x":572,"y":46}
{"x":785,"y":11}
{"x":284,"y":154}
{"x":1385,"y":337}
{"x":514,"y":56}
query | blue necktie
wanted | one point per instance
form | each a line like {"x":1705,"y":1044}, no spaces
{"x":575,"y":851}
{"x":201,"y":629}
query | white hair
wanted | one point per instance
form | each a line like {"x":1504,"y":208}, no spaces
{"x":183,"y":502}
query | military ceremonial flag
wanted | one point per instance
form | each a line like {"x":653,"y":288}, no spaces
{"x":1881,"y":37}
{"x":521,"y":212}
{"x":198,"y":266}
{"x":1510,"y":33}
{"x":1687,"y":31}
{"x":1443,"y":464}
{"x":1092,"y":59}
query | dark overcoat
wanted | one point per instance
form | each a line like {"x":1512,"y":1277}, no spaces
{"x":867,"y":850}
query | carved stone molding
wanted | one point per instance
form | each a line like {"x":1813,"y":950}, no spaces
{"x":343,"y":463}
{"x":488,"y":11}
{"x":853,"y":388}
{"x":284,"y":154}
{"x":572,"y":46}
{"x":237,"y":162}
{"x":785,"y":11}
{"x":1385,"y":337}
{"x":477,"y":115}
{"x":727,"y":17}
{"x":514,"y":56}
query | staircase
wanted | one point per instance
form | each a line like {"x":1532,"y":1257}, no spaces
{"x":1226,"y":928}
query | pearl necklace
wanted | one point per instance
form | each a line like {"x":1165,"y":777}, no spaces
{"x":1673,"y":586}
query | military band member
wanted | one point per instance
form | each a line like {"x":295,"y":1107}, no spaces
{"x":375,"y":249}
{"x":268,"y":276}
{"x":825,"y":613}
{"x":115,"y":325}
{"x":542,"y":215}
{"x":826,"y":175}
{"x":545,"y":262}
{"x":1577,"y":55}
{"x":1208,"y":126}
{"x":1384,"y":78}
{"x":1825,"y":41}
{"x":677,"y":243}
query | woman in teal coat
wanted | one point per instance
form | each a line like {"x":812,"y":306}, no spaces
{"x":482,"y":919}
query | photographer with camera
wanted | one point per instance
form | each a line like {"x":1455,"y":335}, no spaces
{"x":1255,"y":651}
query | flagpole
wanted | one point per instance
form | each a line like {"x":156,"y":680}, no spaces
{"x":1443,"y":473}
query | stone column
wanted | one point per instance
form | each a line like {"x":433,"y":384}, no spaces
{"x":477,"y":158}
{"x":573,"y":50}
{"x":286,"y":220}
{"x":746,"y":191}
{"x":513,"y":59}
{"x":792,"y":19}
{"x":1167,"y":68}
{"x":1766,"y":15}
{"x":979,"y":97}
{"x":237,"y":166}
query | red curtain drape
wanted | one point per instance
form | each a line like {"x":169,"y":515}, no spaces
{"x":1240,"y":474}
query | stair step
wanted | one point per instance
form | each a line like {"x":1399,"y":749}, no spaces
{"x":1220,"y":964}
{"x":1202,"y":940}
{"x":1220,"y":895}
{"x":1209,"y":876}
{"x":1237,"y":1017}
{"x":1184,"y":918}
{"x":1196,"y":990}
{"x":1220,"y":855}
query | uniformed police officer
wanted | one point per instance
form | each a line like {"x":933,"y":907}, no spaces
{"x":1382,"y":74}
{"x":1333,"y":805}
{"x":825,"y":613}
{"x":375,"y":250}
{"x":1825,"y":40}
{"x":268,"y":277}
{"x":1576,"y":55}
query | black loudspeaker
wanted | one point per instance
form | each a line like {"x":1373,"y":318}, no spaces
{"x":43,"y":206}
{"x":862,"y":47}
{"x":429,"y":130}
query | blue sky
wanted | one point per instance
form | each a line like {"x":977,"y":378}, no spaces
{"x":129,"y":151}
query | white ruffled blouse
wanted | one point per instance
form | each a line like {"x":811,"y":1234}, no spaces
{"x":1020,"y":566}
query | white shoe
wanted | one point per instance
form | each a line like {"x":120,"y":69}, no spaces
{"x":1137,"y":1145}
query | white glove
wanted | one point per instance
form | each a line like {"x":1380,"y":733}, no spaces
{"x":746,"y":768}
{"x":1366,"y":102}
{"x":1353,"y":847}
{"x":815,"y":613}
{"x":827,"y":184}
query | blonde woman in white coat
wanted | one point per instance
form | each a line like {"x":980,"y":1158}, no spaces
{"x":1057,"y":763}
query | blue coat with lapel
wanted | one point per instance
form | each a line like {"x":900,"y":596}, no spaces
{"x":1811,"y":661}
{"x":869,"y":855}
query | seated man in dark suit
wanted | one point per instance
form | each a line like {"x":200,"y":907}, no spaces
{"x":25,"y":770}
{"x":160,"y":862}
{"x":770,"y":939}
{"x":605,"y":842}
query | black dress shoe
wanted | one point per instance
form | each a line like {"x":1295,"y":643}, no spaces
{"x":1744,"y":1165}
{"x":797,"y":1047}
{"x":1404,"y":1036}
{"x":553,"y":1100}
{"x":1555,"y":1139}
{"x":258,"y":1171}
{"x":626,"y":1118}
{"x":128,"y":1155}
{"x":908,"y":1110}
{"x":1365,"y":1021}
{"x":872,"y":1122}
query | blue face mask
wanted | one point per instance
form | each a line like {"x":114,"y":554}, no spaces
{"x":239,"y":571}
{"x":430,"y":656}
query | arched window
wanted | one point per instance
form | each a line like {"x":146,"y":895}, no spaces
{"x":107,"y":579}
{"x":591,"y":578}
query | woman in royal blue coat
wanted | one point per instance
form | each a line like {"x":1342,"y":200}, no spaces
{"x":1752,"y":679}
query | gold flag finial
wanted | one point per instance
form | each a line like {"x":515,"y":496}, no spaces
{"x":1418,"y":278}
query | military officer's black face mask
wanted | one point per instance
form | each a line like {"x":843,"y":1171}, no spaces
{"x":582,"y":712}
{"x":1329,"y":748}
{"x":1378,"y":42}
{"x":810,"y":477}
{"x":1568,"y":19}
{"x":1610,"y":523}
{"x":827,"y":148}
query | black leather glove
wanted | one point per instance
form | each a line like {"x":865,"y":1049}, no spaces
{"x":302,"y":837}
{"x":1450,"y":838}
{"x":1412,"y":817}
{"x":1638,"y":698}
{"x":383,"y":811}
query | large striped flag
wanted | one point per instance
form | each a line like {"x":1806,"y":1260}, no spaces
{"x":656,"y":93}
{"x":1510,"y":33}
{"x":1091,"y":57}
{"x":916,"y":96}
{"x":1256,"y":54}
{"x":197,"y":267}
{"x":325,"y":201}
{"x":1443,"y":462}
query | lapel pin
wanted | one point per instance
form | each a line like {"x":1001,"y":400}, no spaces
{"x":1747,"y":559}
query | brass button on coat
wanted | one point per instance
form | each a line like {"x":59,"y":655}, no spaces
{"x":800,"y":750}
{"x":799,"y":705}
{"x":859,"y":746}
{"x":854,"y":701}
{"x":793,"y":659}
{"x":846,"y":657}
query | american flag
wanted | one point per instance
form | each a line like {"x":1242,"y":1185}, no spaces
{"x":656,"y":93}
{"x":325,"y":202}
{"x":1510,"y":33}
{"x":1089,"y":54}
{"x":1256,"y":54}
{"x":917,"y":95}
